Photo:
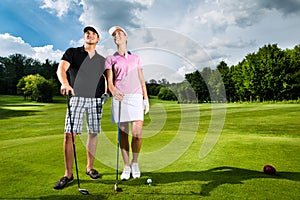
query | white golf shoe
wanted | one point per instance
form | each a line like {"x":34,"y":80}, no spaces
{"x":126,"y":173}
{"x":136,"y":173}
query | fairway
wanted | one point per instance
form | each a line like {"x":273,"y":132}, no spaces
{"x":236,"y":141}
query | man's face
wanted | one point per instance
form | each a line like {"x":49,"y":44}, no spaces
{"x":90,"y":37}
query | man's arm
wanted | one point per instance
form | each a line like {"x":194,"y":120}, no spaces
{"x":62,"y":77}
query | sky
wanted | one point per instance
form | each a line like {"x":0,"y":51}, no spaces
{"x":171,"y":37}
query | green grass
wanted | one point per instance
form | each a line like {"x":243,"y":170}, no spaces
{"x":253,"y":135}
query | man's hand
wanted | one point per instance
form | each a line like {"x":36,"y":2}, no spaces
{"x":66,"y":90}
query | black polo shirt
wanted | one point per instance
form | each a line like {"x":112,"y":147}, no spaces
{"x":85,"y":74}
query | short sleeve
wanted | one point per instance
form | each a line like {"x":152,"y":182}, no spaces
{"x":109,"y":62}
{"x":139,"y":63}
{"x":68,"y":55}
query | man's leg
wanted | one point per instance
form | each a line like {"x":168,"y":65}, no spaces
{"x":68,"y":154}
{"x":91,"y":147}
{"x":68,"y":158}
{"x":93,"y":127}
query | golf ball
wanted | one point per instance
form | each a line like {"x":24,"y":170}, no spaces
{"x":149,"y":181}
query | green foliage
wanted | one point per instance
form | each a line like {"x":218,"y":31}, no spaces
{"x":166,"y":94}
{"x":37,"y":88}
{"x":153,"y":88}
{"x":184,"y":92}
{"x":269,"y":74}
{"x":198,"y":84}
{"x":16,"y":66}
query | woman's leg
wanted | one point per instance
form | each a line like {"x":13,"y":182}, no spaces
{"x":136,"y":142}
{"x":124,"y":144}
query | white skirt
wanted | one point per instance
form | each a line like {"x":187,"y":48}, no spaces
{"x":132,"y":108}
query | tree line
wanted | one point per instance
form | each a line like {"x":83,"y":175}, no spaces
{"x":270,"y":74}
{"x":27,"y":76}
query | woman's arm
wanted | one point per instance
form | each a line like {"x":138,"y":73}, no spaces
{"x":143,"y":84}
{"x":144,"y":89}
{"x":118,"y":96}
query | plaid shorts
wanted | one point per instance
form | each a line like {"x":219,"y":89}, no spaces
{"x":80,"y":105}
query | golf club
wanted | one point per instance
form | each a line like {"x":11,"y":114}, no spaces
{"x":105,"y":95}
{"x":118,"y":149}
{"x":82,"y":191}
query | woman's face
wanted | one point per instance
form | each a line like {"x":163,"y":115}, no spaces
{"x":119,"y":37}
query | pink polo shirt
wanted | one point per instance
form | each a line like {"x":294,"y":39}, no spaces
{"x":126,"y":72}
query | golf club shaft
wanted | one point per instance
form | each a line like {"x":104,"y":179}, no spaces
{"x":118,"y":147}
{"x":73,"y":140}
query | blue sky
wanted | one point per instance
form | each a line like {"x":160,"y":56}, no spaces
{"x":172,"y":37}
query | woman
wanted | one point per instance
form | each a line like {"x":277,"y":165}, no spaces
{"x":128,"y":87}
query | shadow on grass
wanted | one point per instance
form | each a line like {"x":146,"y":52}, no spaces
{"x":8,"y":113}
{"x":64,"y":197}
{"x":214,"y":177}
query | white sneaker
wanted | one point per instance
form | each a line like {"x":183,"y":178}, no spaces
{"x":135,"y":170}
{"x":126,"y":173}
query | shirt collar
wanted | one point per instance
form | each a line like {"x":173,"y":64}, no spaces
{"x":117,"y":54}
{"x":82,"y":49}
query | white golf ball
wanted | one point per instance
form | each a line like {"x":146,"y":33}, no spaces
{"x":149,"y":180}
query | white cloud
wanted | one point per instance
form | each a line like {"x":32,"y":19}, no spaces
{"x":47,"y":52}
{"x":224,"y":14}
{"x":105,"y":13}
{"x":12,"y":45}
{"x":57,"y":7}
{"x":229,"y":43}
{"x":147,"y":3}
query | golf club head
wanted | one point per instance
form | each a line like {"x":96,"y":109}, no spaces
{"x":117,"y":188}
{"x":83,"y":191}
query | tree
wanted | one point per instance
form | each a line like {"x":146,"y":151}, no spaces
{"x":292,"y":75}
{"x":166,"y":94}
{"x":198,"y":83}
{"x":16,"y":66}
{"x":184,"y":92}
{"x":153,"y":88}
{"x":153,"y":81}
{"x":226,"y":75}
{"x":37,"y":88}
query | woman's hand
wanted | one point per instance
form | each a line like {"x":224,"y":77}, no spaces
{"x":146,"y":106}
{"x":117,"y":95}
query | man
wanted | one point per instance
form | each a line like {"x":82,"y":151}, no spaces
{"x":86,"y":84}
